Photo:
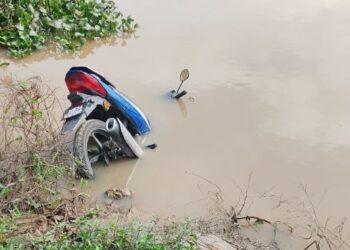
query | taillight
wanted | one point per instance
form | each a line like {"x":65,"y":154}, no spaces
{"x":78,"y":81}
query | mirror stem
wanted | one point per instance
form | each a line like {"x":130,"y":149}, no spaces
{"x":178,"y":89}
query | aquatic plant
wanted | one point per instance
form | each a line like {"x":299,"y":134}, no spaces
{"x":26,"y":25}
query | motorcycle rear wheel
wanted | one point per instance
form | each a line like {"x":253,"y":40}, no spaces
{"x":89,"y":146}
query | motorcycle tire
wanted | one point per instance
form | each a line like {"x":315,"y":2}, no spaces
{"x":89,"y":130}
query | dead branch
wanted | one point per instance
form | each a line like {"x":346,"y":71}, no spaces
{"x":313,"y":243}
{"x":258,"y":219}
{"x":207,"y":180}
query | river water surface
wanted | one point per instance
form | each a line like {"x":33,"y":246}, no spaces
{"x":269,"y":86}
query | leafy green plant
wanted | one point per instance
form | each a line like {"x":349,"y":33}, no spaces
{"x":90,"y":233}
{"x":44,"y":170}
{"x":6,"y":225}
{"x":26,"y":25}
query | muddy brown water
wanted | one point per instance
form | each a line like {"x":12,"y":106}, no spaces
{"x":270,"y":87}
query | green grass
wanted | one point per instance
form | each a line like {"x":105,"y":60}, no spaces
{"x":27,"y":25}
{"x":87,"y":232}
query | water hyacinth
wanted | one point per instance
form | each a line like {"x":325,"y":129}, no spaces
{"x":26,"y":25}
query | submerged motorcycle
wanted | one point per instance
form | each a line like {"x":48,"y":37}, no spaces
{"x":103,"y":120}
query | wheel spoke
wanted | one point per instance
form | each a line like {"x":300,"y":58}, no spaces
{"x":95,"y":158}
{"x":97,"y":150}
{"x":94,"y":151}
{"x":99,"y":144}
{"x":105,"y":158}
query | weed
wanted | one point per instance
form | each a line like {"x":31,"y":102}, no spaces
{"x":88,"y":232}
{"x":6,"y":225}
{"x":31,"y":159}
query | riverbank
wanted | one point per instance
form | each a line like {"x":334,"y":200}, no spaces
{"x":43,"y":205}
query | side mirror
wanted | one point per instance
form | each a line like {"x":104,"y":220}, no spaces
{"x":184,"y":75}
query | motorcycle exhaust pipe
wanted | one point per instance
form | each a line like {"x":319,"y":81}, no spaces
{"x":121,"y":135}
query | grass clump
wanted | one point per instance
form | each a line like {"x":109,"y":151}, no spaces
{"x":26,"y":25}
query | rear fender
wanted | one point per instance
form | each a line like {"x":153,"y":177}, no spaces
{"x":90,"y":103}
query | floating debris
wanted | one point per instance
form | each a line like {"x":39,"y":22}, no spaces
{"x":152,"y":146}
{"x":4,"y":64}
{"x":118,"y":193}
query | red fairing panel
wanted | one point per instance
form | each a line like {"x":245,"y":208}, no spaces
{"x":78,"y":81}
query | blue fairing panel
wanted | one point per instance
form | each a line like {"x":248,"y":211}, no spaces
{"x":127,"y":108}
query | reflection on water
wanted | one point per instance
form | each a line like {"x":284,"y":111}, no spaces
{"x":51,"y":51}
{"x":270,"y":80}
{"x":182,"y":107}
